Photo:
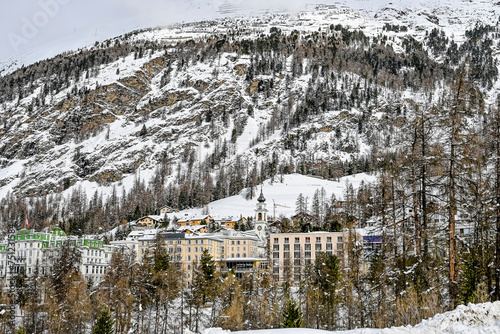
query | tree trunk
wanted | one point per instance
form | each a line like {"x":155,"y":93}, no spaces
{"x":497,"y":200}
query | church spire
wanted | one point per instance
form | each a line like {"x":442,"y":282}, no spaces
{"x":261,"y":198}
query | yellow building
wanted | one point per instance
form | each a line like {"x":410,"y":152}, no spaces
{"x":231,"y":250}
{"x":167,"y":209}
{"x":230,"y":222}
{"x":149,"y":221}
{"x":200,"y":220}
{"x":194,"y":229}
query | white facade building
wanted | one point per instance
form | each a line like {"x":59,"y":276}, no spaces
{"x":39,"y":250}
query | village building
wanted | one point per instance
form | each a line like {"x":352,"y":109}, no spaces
{"x":40,"y":250}
{"x":291,"y":253}
{"x":167,"y":209}
{"x":229,"y":249}
{"x":241,"y":252}
{"x":196,"y":220}
{"x":149,"y":221}
{"x":194,"y":229}
{"x":229,"y":222}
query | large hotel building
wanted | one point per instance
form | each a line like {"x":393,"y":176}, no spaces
{"x":291,"y":253}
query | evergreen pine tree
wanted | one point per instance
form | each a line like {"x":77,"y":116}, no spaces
{"x":105,"y":323}
{"x":292,"y":316}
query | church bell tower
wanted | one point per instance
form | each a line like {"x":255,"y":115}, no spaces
{"x":261,"y":218}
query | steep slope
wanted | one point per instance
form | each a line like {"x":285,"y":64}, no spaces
{"x":323,"y":92}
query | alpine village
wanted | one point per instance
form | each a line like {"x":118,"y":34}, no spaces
{"x":332,"y":169}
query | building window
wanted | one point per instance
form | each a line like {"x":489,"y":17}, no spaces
{"x":276,"y":255}
{"x":339,"y":247}
{"x":328,"y":246}
{"x":286,"y":248}
{"x":328,"y":239}
{"x":196,"y":249}
{"x":307,"y":255}
{"x":339,"y":239}
{"x":297,"y":240}
{"x":189,"y":258}
{"x":287,"y":240}
{"x":238,"y":242}
{"x":276,"y":241}
{"x":276,"y":247}
{"x":296,"y":247}
{"x":318,"y":240}
{"x":296,"y":255}
{"x":308,"y":240}
{"x":318,"y":247}
{"x":244,"y":254}
{"x":189,"y":249}
{"x":296,"y":262}
{"x":307,"y":247}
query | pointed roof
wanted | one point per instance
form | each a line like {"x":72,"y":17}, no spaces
{"x":261,"y":198}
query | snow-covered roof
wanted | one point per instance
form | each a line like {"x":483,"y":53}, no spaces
{"x":154,"y":217}
{"x":193,"y":228}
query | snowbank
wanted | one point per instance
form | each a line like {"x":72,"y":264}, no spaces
{"x":471,"y":319}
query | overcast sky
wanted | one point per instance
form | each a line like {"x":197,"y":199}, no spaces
{"x":31,"y":30}
{"x":49,"y":26}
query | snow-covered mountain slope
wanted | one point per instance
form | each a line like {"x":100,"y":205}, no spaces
{"x":301,"y":92}
{"x":473,"y":319}
{"x":280,"y":194}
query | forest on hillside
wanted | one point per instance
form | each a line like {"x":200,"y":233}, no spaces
{"x":436,"y":156}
